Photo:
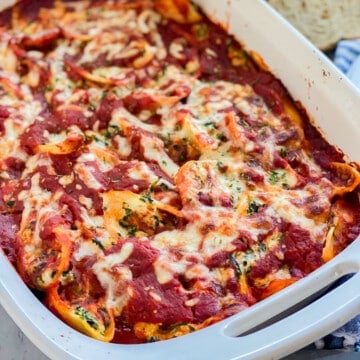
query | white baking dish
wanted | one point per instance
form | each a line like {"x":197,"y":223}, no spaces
{"x":335,"y":104}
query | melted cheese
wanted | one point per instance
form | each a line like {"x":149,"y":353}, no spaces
{"x":187,"y":240}
{"x":9,"y":62}
{"x":165,"y":268}
{"x":110,"y":273}
{"x":38,"y":202}
{"x":154,"y":151}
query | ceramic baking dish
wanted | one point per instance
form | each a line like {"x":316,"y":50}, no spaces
{"x":287,"y":320}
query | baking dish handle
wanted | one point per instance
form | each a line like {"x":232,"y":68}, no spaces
{"x":257,"y":333}
{"x":302,"y":327}
{"x":215,"y":342}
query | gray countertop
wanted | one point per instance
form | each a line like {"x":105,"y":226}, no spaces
{"x":14,"y":345}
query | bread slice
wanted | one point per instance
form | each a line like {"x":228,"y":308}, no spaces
{"x":323,"y":22}
{"x":6,"y":3}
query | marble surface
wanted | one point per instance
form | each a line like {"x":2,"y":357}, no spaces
{"x":14,"y":345}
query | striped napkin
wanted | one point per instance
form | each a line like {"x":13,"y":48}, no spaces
{"x":347,"y":59}
{"x":347,"y":337}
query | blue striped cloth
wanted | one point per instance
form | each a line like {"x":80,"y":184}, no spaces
{"x":347,"y":59}
{"x":346,"y":337}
